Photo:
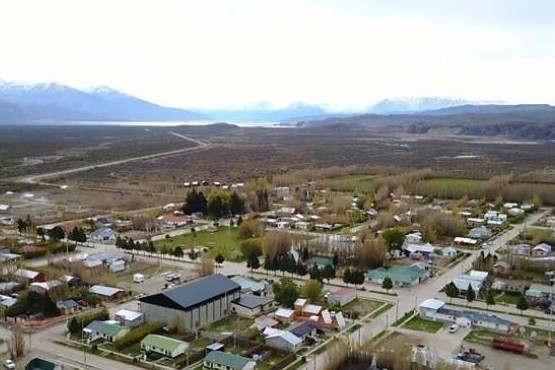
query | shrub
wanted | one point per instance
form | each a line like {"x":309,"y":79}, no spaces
{"x":137,"y":334}
{"x":86,"y":319}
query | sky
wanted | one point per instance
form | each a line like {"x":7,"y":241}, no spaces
{"x":343,"y":54}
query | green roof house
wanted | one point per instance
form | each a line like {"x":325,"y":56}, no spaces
{"x":103,"y":330}
{"x":166,"y":346}
{"x":401,"y":276}
{"x":226,"y":361}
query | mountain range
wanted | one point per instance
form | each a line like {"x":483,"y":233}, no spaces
{"x":52,"y":102}
{"x":59,"y":103}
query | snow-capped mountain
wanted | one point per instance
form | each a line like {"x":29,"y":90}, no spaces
{"x":416,"y":104}
{"x":57,"y":102}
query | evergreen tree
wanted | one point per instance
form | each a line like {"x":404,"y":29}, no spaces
{"x":328,"y":272}
{"x":301,"y":269}
{"x":268,"y":263}
{"x":490,"y":298}
{"x":236,"y":204}
{"x":470,"y":294}
{"x":357,"y":277}
{"x":387,"y":283}
{"x":219,"y":259}
{"x":347,"y":276}
{"x":178,"y":251}
{"x":253,"y":262}
{"x":451,"y":291}
{"x":335,"y":260}
{"x":522,"y":304}
{"x":305,"y":254}
{"x":315,"y":273}
{"x":73,"y":326}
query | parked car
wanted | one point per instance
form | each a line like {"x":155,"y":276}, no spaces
{"x":9,"y":364}
{"x":453,"y":328}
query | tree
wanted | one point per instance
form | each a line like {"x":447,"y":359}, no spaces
{"x":470,"y":294}
{"x":315,"y":273}
{"x":451,"y":291}
{"x":312,"y":290}
{"x":394,"y":238}
{"x":335,"y":260}
{"x":219,"y":259}
{"x":357,"y":277}
{"x":268,"y":263}
{"x":178,"y":251}
{"x":531,"y":321}
{"x":490,"y":298}
{"x":73,"y":326}
{"x":16,"y":344}
{"x":250,"y":229}
{"x":251,"y":246}
{"x":236,"y":204}
{"x":21,"y":225}
{"x":328,"y":272}
{"x":286,"y":292}
{"x":347,"y":276}
{"x":522,"y":303}
{"x":253,"y":262}
{"x":301,"y":269}
{"x":276,"y":243}
{"x":195,"y":202}
{"x":205,"y":267}
{"x":56,"y":233}
{"x":387,"y":283}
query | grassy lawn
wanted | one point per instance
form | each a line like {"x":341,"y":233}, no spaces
{"x":417,"y":323}
{"x":200,"y":344}
{"x":232,"y":323}
{"x":508,"y":297}
{"x":384,"y":308}
{"x":225,"y":241}
{"x":479,"y":337}
{"x":362,"y":306}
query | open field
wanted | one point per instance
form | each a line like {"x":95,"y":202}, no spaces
{"x":362,"y":306}
{"x":416,"y":323}
{"x":241,"y":154}
{"x":225,"y":240}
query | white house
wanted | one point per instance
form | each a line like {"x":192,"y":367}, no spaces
{"x":102,"y":235}
{"x":281,"y":339}
{"x":129,"y":318}
{"x":165,"y":346}
{"x":474,"y":278}
{"x":342,"y":296}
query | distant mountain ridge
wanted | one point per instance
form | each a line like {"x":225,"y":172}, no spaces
{"x":20,"y":103}
{"x":263,"y":113}
{"x":416,"y":104}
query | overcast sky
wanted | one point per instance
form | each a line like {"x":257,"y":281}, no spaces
{"x":235,"y":53}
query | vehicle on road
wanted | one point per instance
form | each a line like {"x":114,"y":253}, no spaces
{"x":508,"y":345}
{"x":453,"y":328}
{"x":9,"y":364}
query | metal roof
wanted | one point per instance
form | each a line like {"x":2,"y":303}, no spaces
{"x":129,"y":315}
{"x":162,"y":342}
{"x":252,"y":301}
{"x":104,"y":327}
{"x":304,"y":328}
{"x":194,"y":293}
{"x":104,"y":290}
{"x":226,"y":359}
{"x":433,"y":304}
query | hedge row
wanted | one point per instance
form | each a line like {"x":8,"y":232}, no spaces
{"x":137,"y":334}
{"x":86,"y":319}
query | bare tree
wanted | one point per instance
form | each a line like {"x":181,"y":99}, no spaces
{"x":205,"y":267}
{"x":16,"y":344}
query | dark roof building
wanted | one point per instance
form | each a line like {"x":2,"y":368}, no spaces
{"x":194,"y":304}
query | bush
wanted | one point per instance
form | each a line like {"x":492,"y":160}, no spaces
{"x":137,"y":334}
{"x":86,"y":319}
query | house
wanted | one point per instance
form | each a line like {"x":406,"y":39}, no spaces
{"x":476,"y":221}
{"x":342,"y":296}
{"x":474,"y":278}
{"x":29,"y":276}
{"x":538,"y":292}
{"x":226,"y":361}
{"x":304,"y":329}
{"x":510,"y":205}
{"x":5,"y":208}
{"x":104,"y":222}
{"x":107,"y":293}
{"x":541,"y":250}
{"x":305,"y":309}
{"x":47,"y":287}
{"x":251,"y":305}
{"x":67,"y":307}
{"x":192,"y":305}
{"x":450,"y":251}
{"x":434,"y":310}
{"x":103,"y":330}
{"x":286,"y":211}
{"x":103,"y":235}
{"x":263,"y":322}
{"x":129,"y":318}
{"x":480,"y":233}
{"x":7,"y":301}
{"x":302,"y":225}
{"x":282,"y":339}
{"x":401,"y":276}
{"x":117,"y":266}
{"x":248,"y":285}
{"x":415,"y":237}
{"x":419,"y":250}
{"x":285,"y":315}
{"x":9,"y":286}
{"x":331,"y":320}
{"x":515,"y":212}
{"x":165,"y":346}
{"x":9,"y":257}
{"x":40,"y":364}
{"x":105,"y":258}
{"x":465,"y":241}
